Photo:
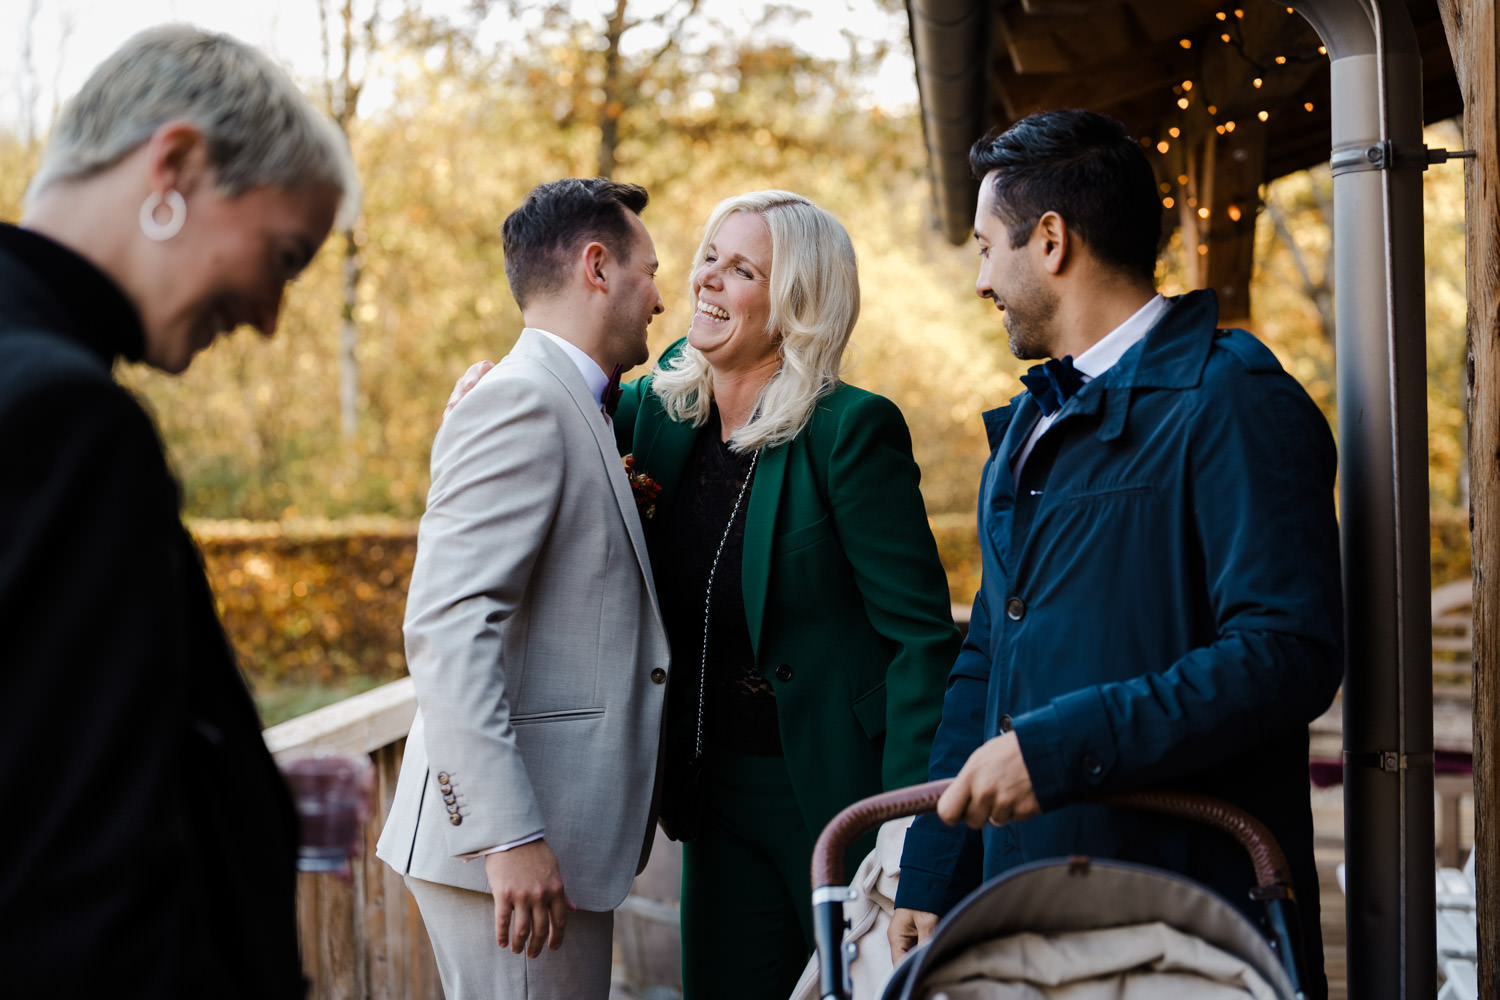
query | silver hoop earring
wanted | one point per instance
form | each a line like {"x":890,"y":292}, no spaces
{"x":163,"y":231}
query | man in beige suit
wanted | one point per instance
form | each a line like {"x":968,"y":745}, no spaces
{"x":524,"y":806}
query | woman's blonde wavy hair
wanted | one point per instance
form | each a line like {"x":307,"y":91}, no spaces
{"x":814,"y":293}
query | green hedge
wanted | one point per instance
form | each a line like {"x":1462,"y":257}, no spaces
{"x":312,"y":602}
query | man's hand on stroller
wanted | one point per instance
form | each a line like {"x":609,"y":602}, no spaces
{"x":992,"y":787}
{"x":908,"y":929}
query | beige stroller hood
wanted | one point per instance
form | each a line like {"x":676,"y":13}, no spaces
{"x":1078,"y":928}
{"x":1093,"y":930}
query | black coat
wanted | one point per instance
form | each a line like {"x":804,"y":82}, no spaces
{"x":149,"y":842}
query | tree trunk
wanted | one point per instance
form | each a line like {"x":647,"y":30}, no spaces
{"x":614,"y":103}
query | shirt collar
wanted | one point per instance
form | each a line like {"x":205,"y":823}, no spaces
{"x":1101,"y":357}
{"x":593,"y":376}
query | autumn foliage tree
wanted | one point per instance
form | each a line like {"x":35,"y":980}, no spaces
{"x":474,"y":111}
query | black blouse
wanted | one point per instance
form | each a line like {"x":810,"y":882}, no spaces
{"x":739,"y":712}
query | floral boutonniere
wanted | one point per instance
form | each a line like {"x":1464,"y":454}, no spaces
{"x":644,"y":488}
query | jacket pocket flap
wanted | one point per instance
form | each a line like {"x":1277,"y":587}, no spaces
{"x":869,"y":709}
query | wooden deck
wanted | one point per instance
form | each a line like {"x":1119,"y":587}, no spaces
{"x":364,"y":937}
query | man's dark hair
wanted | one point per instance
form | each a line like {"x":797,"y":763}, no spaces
{"x":1083,"y":166}
{"x":541,"y":236}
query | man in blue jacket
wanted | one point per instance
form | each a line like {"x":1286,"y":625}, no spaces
{"x":1161,"y":601}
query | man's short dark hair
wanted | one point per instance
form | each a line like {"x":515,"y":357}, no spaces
{"x":541,"y":236}
{"x":1083,"y":166}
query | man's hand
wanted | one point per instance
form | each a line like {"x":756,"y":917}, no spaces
{"x":993,"y":787}
{"x":531,"y":905}
{"x":908,"y":929}
{"x":466,"y":381}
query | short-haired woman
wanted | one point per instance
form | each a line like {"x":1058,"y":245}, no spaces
{"x":150,"y":848}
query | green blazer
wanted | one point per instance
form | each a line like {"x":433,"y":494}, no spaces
{"x":845,"y":598}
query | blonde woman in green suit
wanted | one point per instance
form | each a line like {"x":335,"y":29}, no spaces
{"x":799,"y":581}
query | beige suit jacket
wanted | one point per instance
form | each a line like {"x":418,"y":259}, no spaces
{"x":534,"y":642}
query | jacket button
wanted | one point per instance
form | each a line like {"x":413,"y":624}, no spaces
{"x":456,"y":820}
{"x":784,"y":673}
{"x":1015,"y":609}
{"x":1093,"y":766}
{"x":442,"y":777}
{"x":658,"y":676}
{"x":1005,"y":724}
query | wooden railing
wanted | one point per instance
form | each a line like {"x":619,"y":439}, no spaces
{"x":362,"y":937}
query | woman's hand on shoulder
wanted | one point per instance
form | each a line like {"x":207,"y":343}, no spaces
{"x":466,"y":381}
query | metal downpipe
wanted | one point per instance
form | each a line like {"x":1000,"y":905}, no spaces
{"x":1377,"y":159}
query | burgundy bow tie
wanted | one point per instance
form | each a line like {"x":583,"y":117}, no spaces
{"x":612,"y":391}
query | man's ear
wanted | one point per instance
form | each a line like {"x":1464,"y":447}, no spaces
{"x":1056,"y":243}
{"x":177,"y":158}
{"x":594,"y":259}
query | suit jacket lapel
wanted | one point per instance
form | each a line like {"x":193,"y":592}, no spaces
{"x":562,"y":368}
{"x":662,"y":445}
{"x":760,"y":529}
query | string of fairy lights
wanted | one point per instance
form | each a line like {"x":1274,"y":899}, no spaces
{"x":1191,"y":99}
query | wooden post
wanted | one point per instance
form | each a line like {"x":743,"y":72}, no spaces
{"x":1474,"y":39}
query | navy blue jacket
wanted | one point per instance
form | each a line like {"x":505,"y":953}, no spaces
{"x":1160,"y":606}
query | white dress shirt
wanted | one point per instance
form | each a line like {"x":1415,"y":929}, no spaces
{"x":594,"y":377}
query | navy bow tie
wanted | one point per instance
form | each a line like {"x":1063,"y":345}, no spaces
{"x":612,"y":392}
{"x":1052,"y":383}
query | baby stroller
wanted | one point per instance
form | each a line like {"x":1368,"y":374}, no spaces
{"x":1025,"y":926}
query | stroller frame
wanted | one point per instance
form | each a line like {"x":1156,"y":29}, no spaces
{"x":1272,"y":874}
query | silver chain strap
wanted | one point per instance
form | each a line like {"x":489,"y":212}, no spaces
{"x":708,"y":599}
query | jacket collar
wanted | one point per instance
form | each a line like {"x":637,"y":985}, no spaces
{"x":47,"y":285}
{"x":1172,"y":356}
{"x":670,"y":446}
{"x":760,"y":522}
{"x":536,"y":345}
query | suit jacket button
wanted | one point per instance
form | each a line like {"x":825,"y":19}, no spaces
{"x":1015,"y":609}
{"x":784,"y":673}
{"x":456,"y":819}
{"x":1093,"y":766}
{"x":658,"y":676}
{"x":442,"y":777}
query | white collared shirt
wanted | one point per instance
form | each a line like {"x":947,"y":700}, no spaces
{"x":1094,"y":362}
{"x":594,"y":377}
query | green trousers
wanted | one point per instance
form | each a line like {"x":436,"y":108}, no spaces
{"x":746,"y":895}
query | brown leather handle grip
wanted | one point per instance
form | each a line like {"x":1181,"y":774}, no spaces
{"x":1272,"y":875}
{"x":853,"y":820}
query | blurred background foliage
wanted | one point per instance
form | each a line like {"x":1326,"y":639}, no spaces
{"x":451,"y":123}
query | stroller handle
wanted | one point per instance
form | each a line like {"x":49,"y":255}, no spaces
{"x":1272,"y":874}
{"x":866,"y":814}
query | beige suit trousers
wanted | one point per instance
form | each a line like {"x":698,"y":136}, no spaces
{"x":461,"y":924}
